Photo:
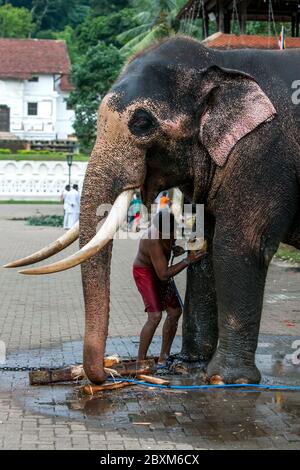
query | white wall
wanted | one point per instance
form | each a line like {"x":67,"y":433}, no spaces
{"x":11,"y":95}
{"x":37,"y":180}
{"x":65,"y":117}
{"x":53,"y":121}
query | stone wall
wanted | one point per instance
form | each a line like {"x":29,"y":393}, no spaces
{"x":33,"y":180}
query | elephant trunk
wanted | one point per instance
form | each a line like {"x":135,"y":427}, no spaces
{"x":105,"y":179}
{"x":96,"y":290}
{"x":100,"y":190}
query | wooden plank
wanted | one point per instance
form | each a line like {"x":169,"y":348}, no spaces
{"x":71,"y":373}
{"x":153,"y":380}
{"x":92,"y":389}
{"x":43,"y":377}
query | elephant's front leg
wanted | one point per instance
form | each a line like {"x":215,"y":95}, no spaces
{"x":240,"y":274}
{"x":200,"y":317}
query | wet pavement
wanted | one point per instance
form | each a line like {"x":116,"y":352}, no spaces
{"x":153,"y":418}
{"x":41,"y":322}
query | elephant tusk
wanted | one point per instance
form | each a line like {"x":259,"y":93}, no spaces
{"x":55,"y":247}
{"x":114,"y":219}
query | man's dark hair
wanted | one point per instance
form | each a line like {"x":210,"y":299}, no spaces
{"x":68,"y":187}
{"x":75,"y":186}
{"x":164,"y":222}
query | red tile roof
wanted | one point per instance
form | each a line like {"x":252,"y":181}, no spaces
{"x":22,"y":58}
{"x":243,"y":41}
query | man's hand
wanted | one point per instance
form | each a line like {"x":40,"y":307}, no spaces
{"x":195,"y":255}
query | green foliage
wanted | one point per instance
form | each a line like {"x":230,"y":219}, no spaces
{"x":288,"y":253}
{"x":106,"y":7}
{"x":68,"y":35}
{"x":156,"y":20}
{"x":15,"y":22}
{"x":46,"y":220}
{"x":55,"y":14}
{"x":264,"y":28}
{"x":39,"y":152}
{"x":92,"y":77}
{"x":5,"y":151}
{"x":103,"y":28}
{"x":51,"y":156}
{"x":26,"y":201}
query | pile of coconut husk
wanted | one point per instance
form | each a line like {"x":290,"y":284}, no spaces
{"x":113,"y":366}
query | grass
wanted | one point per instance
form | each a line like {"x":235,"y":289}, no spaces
{"x":46,"y":220}
{"x":41,"y":158}
{"x":288,"y":253}
{"x":13,"y":201}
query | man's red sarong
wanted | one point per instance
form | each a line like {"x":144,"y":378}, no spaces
{"x":157,"y":295}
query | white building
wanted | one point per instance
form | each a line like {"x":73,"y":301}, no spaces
{"x":34,"y":86}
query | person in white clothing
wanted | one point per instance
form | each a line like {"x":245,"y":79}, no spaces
{"x":62,"y":199}
{"x":71,"y":207}
{"x":64,"y":193}
{"x":75,"y":186}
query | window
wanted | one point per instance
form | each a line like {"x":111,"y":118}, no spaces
{"x":32,"y":109}
{"x":33,"y":79}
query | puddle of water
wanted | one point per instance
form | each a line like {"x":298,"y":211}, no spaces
{"x":216,"y":415}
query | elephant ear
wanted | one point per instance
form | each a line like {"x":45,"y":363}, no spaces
{"x":234,"y":106}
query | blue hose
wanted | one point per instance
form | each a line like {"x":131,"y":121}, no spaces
{"x":295,"y":388}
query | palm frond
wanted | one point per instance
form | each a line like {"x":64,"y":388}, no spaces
{"x":129,"y":47}
{"x":143,"y":17}
{"x":126,"y":36}
{"x":140,"y":43}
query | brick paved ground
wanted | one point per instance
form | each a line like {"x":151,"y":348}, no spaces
{"x":41,"y":322}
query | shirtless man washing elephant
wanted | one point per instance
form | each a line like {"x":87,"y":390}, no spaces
{"x":153,"y":278}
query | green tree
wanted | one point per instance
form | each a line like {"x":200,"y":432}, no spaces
{"x":265,"y":28}
{"x":15,"y":22}
{"x":106,"y":7}
{"x":103,"y":28}
{"x":156,"y":21}
{"x":55,"y":14}
{"x":92,"y":77}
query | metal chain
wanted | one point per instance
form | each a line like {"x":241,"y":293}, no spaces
{"x":31,"y":369}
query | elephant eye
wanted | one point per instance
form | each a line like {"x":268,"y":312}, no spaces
{"x":142,"y":123}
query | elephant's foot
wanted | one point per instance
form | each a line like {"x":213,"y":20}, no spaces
{"x":181,"y":366}
{"x":232,"y":370}
{"x":95,"y":374}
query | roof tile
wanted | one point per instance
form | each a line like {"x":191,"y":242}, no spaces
{"x":22,"y":58}
{"x":244,"y":41}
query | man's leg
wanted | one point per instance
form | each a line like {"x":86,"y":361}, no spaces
{"x":147,"y":334}
{"x":169,"y":332}
{"x":66,"y":216}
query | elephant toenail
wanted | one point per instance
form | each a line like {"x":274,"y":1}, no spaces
{"x":216,"y":380}
{"x":241,"y":381}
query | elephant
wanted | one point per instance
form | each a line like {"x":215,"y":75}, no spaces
{"x":221,"y":126}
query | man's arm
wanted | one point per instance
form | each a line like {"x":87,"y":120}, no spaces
{"x":160,"y":263}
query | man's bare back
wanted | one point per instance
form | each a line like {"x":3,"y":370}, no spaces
{"x":151,"y":249}
{"x":152,"y":275}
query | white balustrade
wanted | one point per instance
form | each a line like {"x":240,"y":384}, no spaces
{"x":33,"y":180}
